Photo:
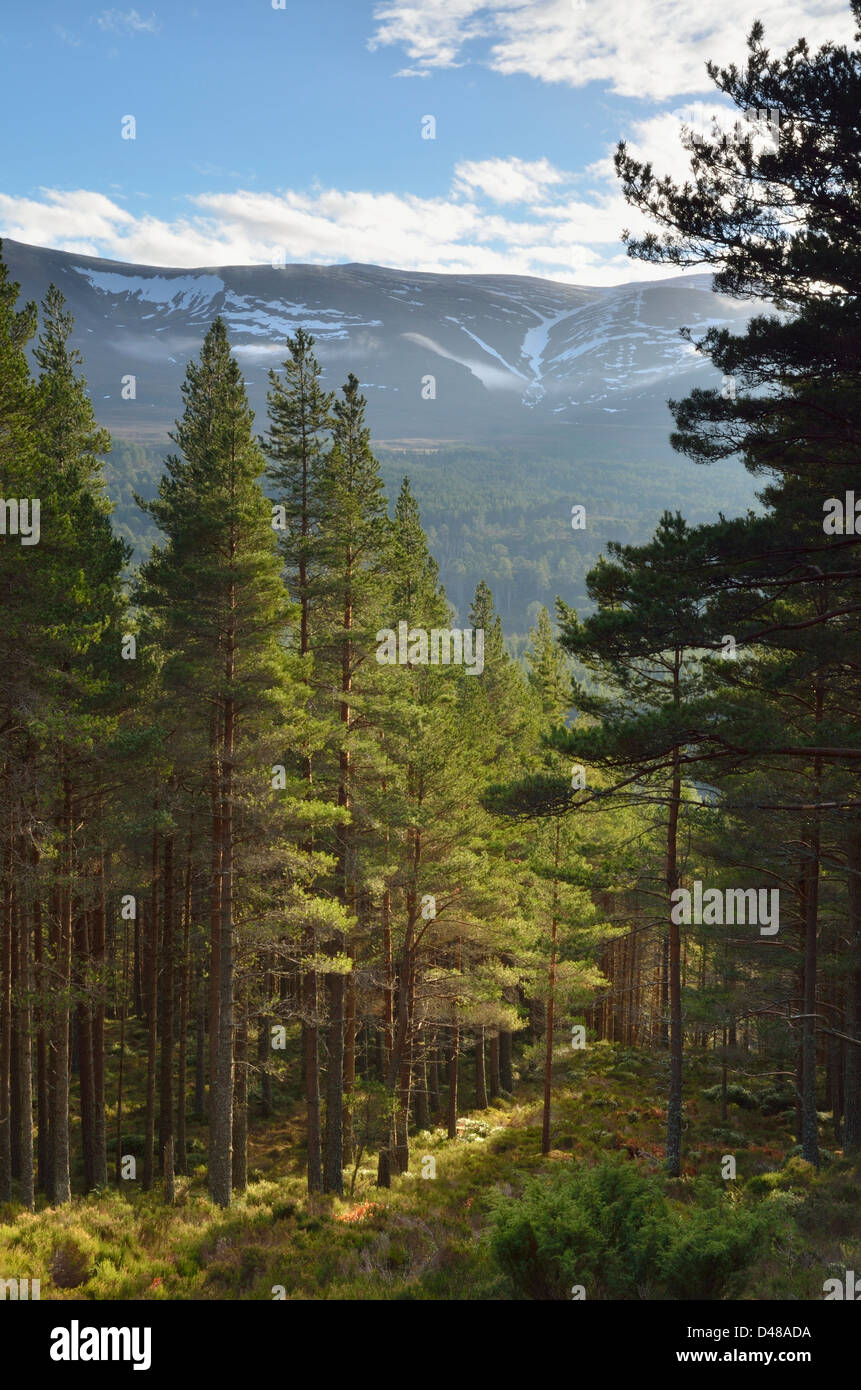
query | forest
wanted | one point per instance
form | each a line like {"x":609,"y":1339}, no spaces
{"x":539,"y":977}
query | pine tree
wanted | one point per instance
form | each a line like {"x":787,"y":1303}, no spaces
{"x":353,"y":559}
{"x":217,"y":591}
{"x":300,"y":423}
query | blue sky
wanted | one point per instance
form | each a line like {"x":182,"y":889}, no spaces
{"x":295,"y":133}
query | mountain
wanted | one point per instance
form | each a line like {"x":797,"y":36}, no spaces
{"x":545,"y":396}
{"x":511,"y":356}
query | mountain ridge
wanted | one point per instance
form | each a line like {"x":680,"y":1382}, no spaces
{"x":440,"y":355}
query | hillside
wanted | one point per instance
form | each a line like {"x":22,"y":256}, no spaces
{"x":547,"y":395}
{"x":512,"y":356}
{"x":444,"y":1230}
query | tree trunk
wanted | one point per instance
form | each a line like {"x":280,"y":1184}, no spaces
{"x":123,"y":1012}
{"x":215,"y":892}
{"x":85,"y":1046}
{"x":166,"y":1007}
{"x":221,"y":1102}
{"x":200,"y":1045}
{"x":264,"y":1049}
{"x":494,"y":1066}
{"x":433,"y":1077}
{"x":185,"y":990}
{"x":551,"y":1003}
{"x":809,"y":1119}
{"x":852,"y":1002}
{"x":61,"y":1180}
{"x":420,"y":1091}
{"x":152,"y":940}
{"x":480,"y":1080}
{"x":333,"y":1177}
{"x":25,"y":1062}
{"x":310,"y":1052}
{"x":168,"y":1171}
{"x":674,"y":1107}
{"x":98,"y":944}
{"x":43,"y":1108}
{"x":349,"y":1062}
{"x":240,"y":1105}
{"x":453,"y":1060}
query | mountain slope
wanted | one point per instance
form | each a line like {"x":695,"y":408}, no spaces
{"x":510,"y":355}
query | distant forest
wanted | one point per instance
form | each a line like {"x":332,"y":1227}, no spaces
{"x":502,"y":515}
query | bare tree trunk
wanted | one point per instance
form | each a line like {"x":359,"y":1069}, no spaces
{"x":168,"y":1171}
{"x":43,"y":1108}
{"x":240,"y":1104}
{"x":494,"y":1066}
{"x":166,"y":1007}
{"x":551,"y":1003}
{"x":310,"y":1052}
{"x":100,"y":1142}
{"x":674,"y":1107}
{"x":349,"y":1061}
{"x":852,"y":1002}
{"x":453,"y":1060}
{"x":123,"y":1012}
{"x":200,"y":1044}
{"x":480,"y":1080}
{"x":264,"y":1048}
{"x":185,"y":990}
{"x":420,"y":1091}
{"x":61,"y":1180}
{"x":433,"y":1076}
{"x":809,"y":1119}
{"x":333,"y":1177}
{"x":221,"y":1101}
{"x":152,"y":939}
{"x":85,"y":1045}
{"x":215,"y":891}
{"x":25,"y":1061}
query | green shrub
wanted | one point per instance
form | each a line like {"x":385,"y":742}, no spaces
{"x":735,"y":1094}
{"x":774,"y":1099}
{"x":612,"y":1230}
{"x":600,"y":1227}
{"x":716,"y":1244}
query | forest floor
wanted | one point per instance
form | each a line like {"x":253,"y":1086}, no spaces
{"x":430,"y":1237}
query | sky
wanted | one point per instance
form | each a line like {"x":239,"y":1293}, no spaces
{"x":268,"y":131}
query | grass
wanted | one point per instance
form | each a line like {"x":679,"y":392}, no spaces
{"x":428,"y":1237}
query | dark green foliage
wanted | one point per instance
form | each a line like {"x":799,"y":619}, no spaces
{"x":715,"y":1246}
{"x":611,"y":1230}
{"x":604,"y":1228}
{"x":735,"y":1094}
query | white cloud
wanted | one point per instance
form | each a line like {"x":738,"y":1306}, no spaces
{"x":500,"y":216}
{"x":657,"y":50}
{"x":64,"y":219}
{"x":507,"y":180}
{"x":127,"y":22}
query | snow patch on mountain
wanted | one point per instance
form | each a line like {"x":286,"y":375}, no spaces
{"x":188,"y":292}
{"x":490,"y":377}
